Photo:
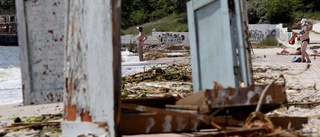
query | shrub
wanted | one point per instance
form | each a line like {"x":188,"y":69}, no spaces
{"x":268,"y":42}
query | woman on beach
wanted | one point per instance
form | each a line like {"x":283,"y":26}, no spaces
{"x":305,"y":40}
{"x":140,"y":42}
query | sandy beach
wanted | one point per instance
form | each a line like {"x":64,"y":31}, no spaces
{"x":266,"y":66}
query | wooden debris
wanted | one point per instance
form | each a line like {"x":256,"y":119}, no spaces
{"x":30,"y":125}
{"x":35,"y":122}
{"x":151,"y":102}
{"x":289,"y":122}
{"x":257,"y":119}
{"x":232,"y":98}
{"x":203,"y":118}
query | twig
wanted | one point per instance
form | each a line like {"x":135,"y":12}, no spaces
{"x":280,"y":76}
{"x":314,"y":116}
{"x":280,"y":113}
{"x":298,"y":73}
{"x":304,"y":103}
{"x":314,"y":126}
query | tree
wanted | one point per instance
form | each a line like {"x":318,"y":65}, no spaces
{"x":280,"y":11}
{"x":309,"y":5}
{"x":136,"y":12}
{"x":7,"y":6}
{"x":255,"y":11}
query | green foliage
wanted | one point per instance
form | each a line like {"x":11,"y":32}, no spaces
{"x":174,"y":22}
{"x":136,"y":12}
{"x":7,"y":1}
{"x":7,"y":5}
{"x":309,"y":5}
{"x":255,"y":11}
{"x":268,"y":42}
{"x":309,"y":15}
{"x":132,"y":47}
{"x":280,"y":11}
{"x":42,"y":118}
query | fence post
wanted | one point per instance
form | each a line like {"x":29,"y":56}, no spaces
{"x":92,"y":68}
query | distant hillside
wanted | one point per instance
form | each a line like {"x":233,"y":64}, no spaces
{"x":174,"y":23}
{"x":135,"y":12}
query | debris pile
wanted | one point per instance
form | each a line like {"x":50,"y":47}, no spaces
{"x":173,"y":80}
{"x":43,"y":125}
{"x":219,"y":111}
{"x":154,"y":54}
{"x":170,"y":73}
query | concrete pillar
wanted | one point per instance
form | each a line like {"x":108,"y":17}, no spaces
{"x":92,"y":68}
{"x":42,"y":39}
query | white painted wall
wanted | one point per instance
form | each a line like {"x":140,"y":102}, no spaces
{"x":316,"y":27}
{"x":167,"y":38}
{"x":171,"y":37}
{"x":258,"y":32}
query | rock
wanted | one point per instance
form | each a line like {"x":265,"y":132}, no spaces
{"x":3,"y":132}
{"x":17,"y":120}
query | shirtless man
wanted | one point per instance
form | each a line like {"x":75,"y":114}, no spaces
{"x":140,"y":42}
{"x":305,"y":40}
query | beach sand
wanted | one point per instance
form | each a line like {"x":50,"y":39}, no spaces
{"x":266,"y":65}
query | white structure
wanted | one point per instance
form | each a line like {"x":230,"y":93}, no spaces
{"x":218,"y":50}
{"x":70,"y":51}
{"x":41,"y":27}
{"x":316,"y":26}
{"x":93,"y":69}
{"x":258,"y":32}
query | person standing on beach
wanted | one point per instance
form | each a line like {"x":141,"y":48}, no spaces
{"x":305,"y":40}
{"x":140,"y":42}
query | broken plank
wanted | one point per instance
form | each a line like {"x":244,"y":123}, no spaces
{"x":235,"y":132}
{"x":239,"y":102}
{"x":156,"y":123}
{"x":158,"y":102}
{"x":186,"y":107}
{"x":295,"y":122}
{"x":203,"y":118}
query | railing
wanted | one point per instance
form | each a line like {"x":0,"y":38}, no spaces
{"x":8,"y":28}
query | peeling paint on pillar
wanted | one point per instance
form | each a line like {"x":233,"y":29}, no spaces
{"x":92,"y":68}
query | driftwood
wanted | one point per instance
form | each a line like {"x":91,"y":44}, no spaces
{"x":17,"y":126}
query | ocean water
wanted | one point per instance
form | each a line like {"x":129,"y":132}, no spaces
{"x":10,"y":72}
{"x":10,"y":75}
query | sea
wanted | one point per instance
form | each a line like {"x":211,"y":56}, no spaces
{"x":10,"y":72}
{"x":10,"y":75}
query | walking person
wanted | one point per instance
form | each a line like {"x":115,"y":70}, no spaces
{"x":305,"y":40}
{"x":140,"y":42}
